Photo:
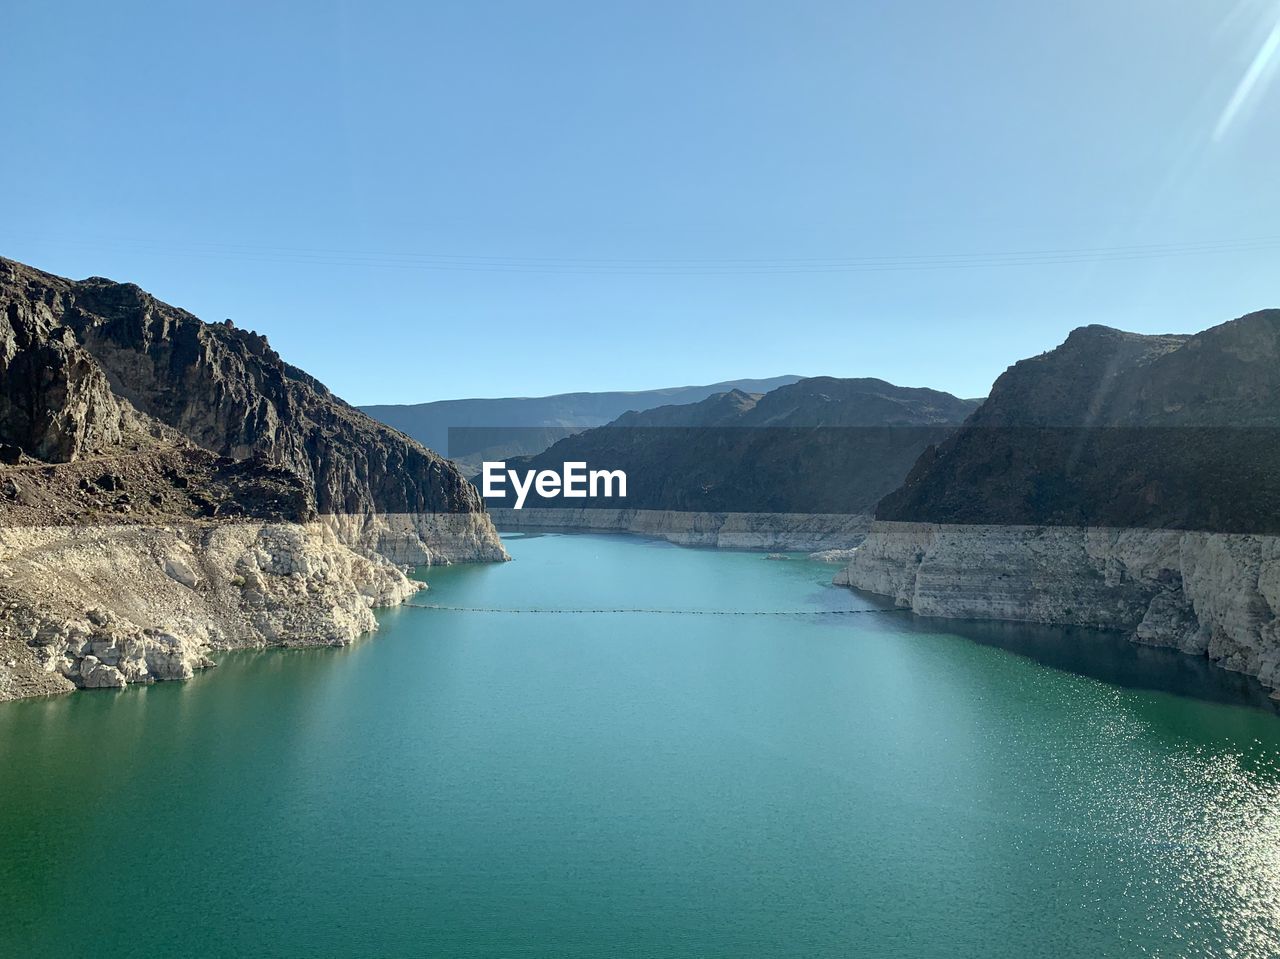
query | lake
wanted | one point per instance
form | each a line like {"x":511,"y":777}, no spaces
{"x":477,"y":783}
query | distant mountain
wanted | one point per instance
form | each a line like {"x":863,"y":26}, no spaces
{"x":815,"y":401}
{"x":429,"y":423}
{"x":819,"y":445}
{"x":722,"y":409}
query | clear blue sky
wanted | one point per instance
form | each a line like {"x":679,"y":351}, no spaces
{"x":423,"y":200}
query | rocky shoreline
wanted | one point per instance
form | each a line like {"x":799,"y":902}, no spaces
{"x":170,"y":487}
{"x":1120,"y":480}
{"x":420,"y":539}
{"x":108,"y":605}
{"x":805,"y":532}
{"x":1210,"y":594}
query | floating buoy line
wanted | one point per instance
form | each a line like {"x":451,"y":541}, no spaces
{"x":535,"y":610}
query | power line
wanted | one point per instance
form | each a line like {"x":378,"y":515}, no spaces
{"x":655,"y":612}
{"x":472,"y":263}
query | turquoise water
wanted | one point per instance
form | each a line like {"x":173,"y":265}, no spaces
{"x":481,"y":784}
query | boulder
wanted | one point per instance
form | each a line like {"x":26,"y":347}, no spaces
{"x":95,"y":674}
{"x":177,"y":569}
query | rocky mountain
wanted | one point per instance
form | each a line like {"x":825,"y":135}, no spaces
{"x":814,"y":401}
{"x":529,"y":424}
{"x":171,"y":487}
{"x":1119,"y":481}
{"x":818,"y":446}
{"x":1118,"y":429}
{"x":1224,"y":376}
{"x":720,"y":409}
{"x":828,"y":401}
{"x":94,"y":365}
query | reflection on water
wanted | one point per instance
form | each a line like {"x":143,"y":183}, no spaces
{"x":1108,"y":656}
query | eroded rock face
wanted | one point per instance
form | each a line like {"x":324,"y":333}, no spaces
{"x":1121,"y":481}
{"x":170,"y":488}
{"x":94,"y":365}
{"x":104,"y":606}
{"x":95,"y":674}
{"x":229,"y":391}
{"x":55,"y":400}
{"x":1211,"y":594}
{"x":420,"y":539}
{"x":841,"y":557}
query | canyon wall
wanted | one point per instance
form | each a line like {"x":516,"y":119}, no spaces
{"x":94,"y":366}
{"x":106,"y":605}
{"x":1211,"y":594}
{"x":1121,"y":481}
{"x":170,"y":487}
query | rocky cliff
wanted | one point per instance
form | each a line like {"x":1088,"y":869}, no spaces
{"x":1121,"y":481}
{"x":1118,"y":429}
{"x":139,"y":445}
{"x":85,"y":358}
{"x":106,"y":605}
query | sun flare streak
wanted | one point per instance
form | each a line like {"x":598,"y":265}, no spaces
{"x":1260,"y":69}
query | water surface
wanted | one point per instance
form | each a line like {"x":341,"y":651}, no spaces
{"x":488,"y":784}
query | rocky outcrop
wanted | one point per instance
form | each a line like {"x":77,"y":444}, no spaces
{"x":762,"y":531}
{"x":169,"y":488}
{"x":420,"y":539}
{"x":102,"y":606}
{"x":841,"y":557}
{"x":1211,"y":594}
{"x":1118,"y":429}
{"x":1119,"y":481}
{"x":93,"y":364}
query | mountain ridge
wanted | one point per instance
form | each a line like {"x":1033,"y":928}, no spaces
{"x":819,"y":445}
{"x":430,"y":422}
